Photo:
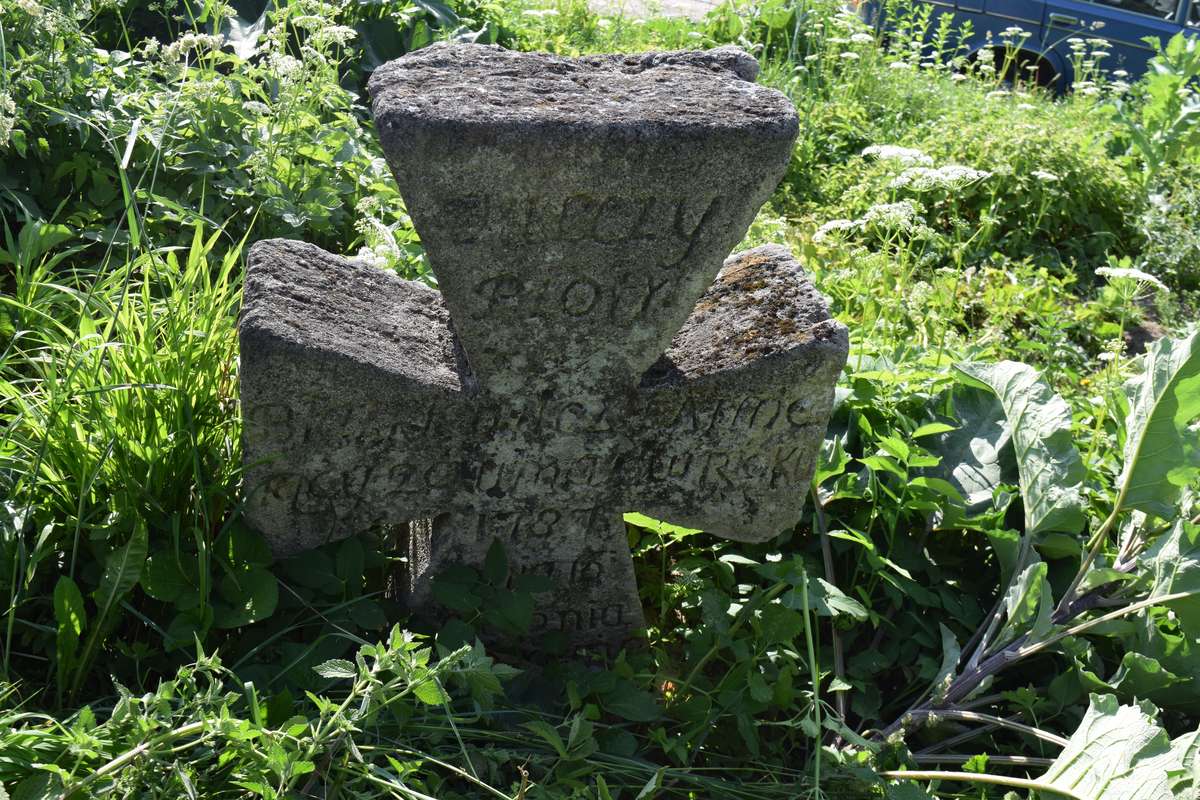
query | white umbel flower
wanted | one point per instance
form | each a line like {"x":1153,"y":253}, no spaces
{"x":1131,"y":274}
{"x":951,"y":176}
{"x":832,"y":228}
{"x":906,"y":156}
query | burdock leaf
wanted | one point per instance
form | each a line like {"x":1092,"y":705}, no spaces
{"x":1162,"y":446}
{"x":1048,"y":463}
{"x":1119,"y":753}
{"x":1028,"y":605}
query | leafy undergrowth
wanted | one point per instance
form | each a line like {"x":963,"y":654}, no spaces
{"x":997,"y":571}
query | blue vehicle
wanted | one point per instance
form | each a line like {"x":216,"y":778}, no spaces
{"x":1051,"y":24}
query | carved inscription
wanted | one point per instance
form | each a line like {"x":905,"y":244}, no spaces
{"x":578,"y":297}
{"x":342,"y":493}
{"x":580,"y":620}
{"x":533,"y":528}
{"x":388,"y":472}
{"x":670,"y":413}
{"x":595,"y":218}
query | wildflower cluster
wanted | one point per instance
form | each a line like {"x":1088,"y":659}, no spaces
{"x":30,"y":7}
{"x":902,"y":216}
{"x":1086,"y":58}
{"x":1142,"y":280}
{"x":192,"y":42}
{"x":885,"y":219}
{"x":8,"y":111}
{"x":833,"y":228}
{"x":950,"y":177}
{"x":905,"y":156}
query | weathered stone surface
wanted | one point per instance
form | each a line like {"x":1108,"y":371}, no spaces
{"x":581,"y":360}
{"x":562,"y":200}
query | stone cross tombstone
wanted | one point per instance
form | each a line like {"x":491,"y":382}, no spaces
{"x":591,"y":352}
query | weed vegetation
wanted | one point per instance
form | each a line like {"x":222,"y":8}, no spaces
{"x":993,"y":592}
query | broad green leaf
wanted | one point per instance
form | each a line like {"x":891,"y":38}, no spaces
{"x":38,"y":787}
{"x":581,"y":741}
{"x":649,"y":523}
{"x":895,"y":447}
{"x":1118,"y":753}
{"x":1161,"y":453}
{"x":976,"y":457}
{"x":368,"y":614}
{"x":550,"y":735}
{"x":380,"y":40}
{"x":122,"y":568}
{"x":336,"y":668}
{"x":1141,"y":676}
{"x":71,"y":616}
{"x":69,"y":611}
{"x":826,"y":600}
{"x":1172,"y":565}
{"x":1060,"y":545}
{"x":495,"y":564}
{"x":249,"y":595}
{"x":455,"y":596}
{"x":186,"y":627}
{"x":511,"y":611}
{"x":241,"y":546}
{"x":444,"y":14}
{"x":931,"y":428}
{"x":1186,"y":783}
{"x":631,"y":703}
{"x":1177,"y":651}
{"x":350,"y":562}
{"x":1102,"y":576}
{"x":780,"y":625}
{"x":1007,"y":546}
{"x":884,"y":464}
{"x":313,"y":569}
{"x":162,"y":578}
{"x":38,"y":238}
{"x":430,"y":693}
{"x":831,"y":462}
{"x":1028,"y":605}
{"x":942,"y":487}
{"x":1173,"y":560}
{"x":759,"y":690}
{"x":951,"y":651}
{"x":1051,"y":471}
{"x":838,"y":602}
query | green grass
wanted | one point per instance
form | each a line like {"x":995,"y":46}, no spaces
{"x":149,"y":646}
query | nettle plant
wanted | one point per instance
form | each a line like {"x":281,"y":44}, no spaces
{"x":206,"y":731}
